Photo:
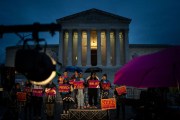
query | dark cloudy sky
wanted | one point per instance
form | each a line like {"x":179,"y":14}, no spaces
{"x":153,"y":21}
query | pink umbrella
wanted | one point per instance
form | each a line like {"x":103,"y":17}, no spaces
{"x":160,"y":69}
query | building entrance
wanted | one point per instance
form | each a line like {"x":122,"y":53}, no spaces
{"x":94,"y":57}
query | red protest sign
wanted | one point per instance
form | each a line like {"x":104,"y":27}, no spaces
{"x":121,"y":90}
{"x":93,"y":83}
{"x":37,"y":92}
{"x":109,"y":103}
{"x":50,"y":92}
{"x":64,"y":88}
{"x":21,"y":96}
{"x":105,"y":86}
{"x":78,"y":84}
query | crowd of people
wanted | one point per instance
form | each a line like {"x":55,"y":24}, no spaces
{"x":72,"y":89}
{"x":77,"y":87}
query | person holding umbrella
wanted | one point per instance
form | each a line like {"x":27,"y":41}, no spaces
{"x":93,"y":85}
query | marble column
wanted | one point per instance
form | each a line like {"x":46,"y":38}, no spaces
{"x":60,"y":52}
{"x":126,"y":45}
{"x":108,"y":48}
{"x":79,"y":56}
{"x":69,"y":59}
{"x":118,"y":63}
{"x":99,"y":51}
{"x":88,"y":49}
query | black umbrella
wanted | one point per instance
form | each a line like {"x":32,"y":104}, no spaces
{"x":93,"y":69}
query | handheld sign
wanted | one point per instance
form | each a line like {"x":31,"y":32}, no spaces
{"x":64,"y":88}
{"x":78,"y":84}
{"x":50,"y":92}
{"x":121,"y":90}
{"x":105,"y":86}
{"x":109,"y":103}
{"x":93,"y":83}
{"x":21,"y":96}
{"x":37,"y":92}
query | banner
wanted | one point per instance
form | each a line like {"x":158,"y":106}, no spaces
{"x":64,"y":88}
{"x":121,"y":90}
{"x":21,"y":96}
{"x":93,"y":83}
{"x":78,"y":84}
{"x":50,"y":92}
{"x":109,"y":103}
{"x":105,"y":86}
{"x":37,"y":92}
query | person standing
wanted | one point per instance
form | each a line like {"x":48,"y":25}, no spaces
{"x":28,"y":105}
{"x":50,"y":90}
{"x":14,"y":91}
{"x":104,"y":87}
{"x":80,"y":92}
{"x":120,"y":99}
{"x":75,"y":77}
{"x":37,"y":100}
{"x":93,"y":85}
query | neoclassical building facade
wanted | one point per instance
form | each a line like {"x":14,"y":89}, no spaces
{"x":93,"y":38}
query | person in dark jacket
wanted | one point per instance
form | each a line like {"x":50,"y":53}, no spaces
{"x":50,"y":93}
{"x":92,"y":91}
{"x":28,"y":105}
{"x":67,"y":99}
{"x":104,"y":87}
{"x":14,"y":97}
{"x":37,"y":100}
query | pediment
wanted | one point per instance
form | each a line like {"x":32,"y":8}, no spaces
{"x":93,"y":16}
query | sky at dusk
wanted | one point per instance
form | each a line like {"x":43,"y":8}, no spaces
{"x":153,"y":21}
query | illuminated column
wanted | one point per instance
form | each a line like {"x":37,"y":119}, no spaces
{"x":99,"y":61}
{"x":117,"y":48}
{"x":126,"y":46}
{"x":69,"y":63}
{"x":60,"y":53}
{"x":88,"y":49}
{"x":108,"y":48}
{"x":79,"y":57}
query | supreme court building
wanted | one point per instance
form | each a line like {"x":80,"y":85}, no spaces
{"x":93,"y":38}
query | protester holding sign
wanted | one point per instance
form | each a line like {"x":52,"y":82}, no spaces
{"x":28,"y":105}
{"x":14,"y":92}
{"x":14,"y":96}
{"x":80,"y":93}
{"x":65,"y":92}
{"x":50,"y":90}
{"x":120,"y":95}
{"x":93,"y":85}
{"x":75,"y":78}
{"x":105,"y":86}
{"x":37,"y":100}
